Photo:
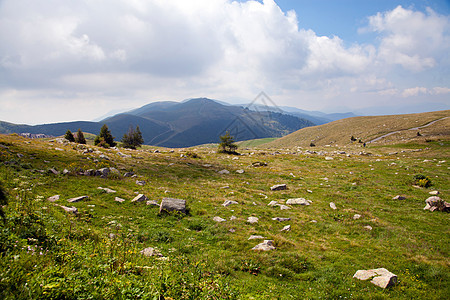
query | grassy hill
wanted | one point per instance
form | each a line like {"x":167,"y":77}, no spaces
{"x":47,"y":253}
{"x":369,"y":128}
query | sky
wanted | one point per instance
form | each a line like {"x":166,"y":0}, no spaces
{"x":66,"y":60}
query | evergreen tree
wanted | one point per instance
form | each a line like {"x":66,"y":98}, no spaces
{"x":133,"y":138}
{"x":80,"y":137}
{"x":105,"y":138}
{"x":227,"y":144}
{"x":69,"y":136}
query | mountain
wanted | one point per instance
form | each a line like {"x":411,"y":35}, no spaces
{"x":189,"y":123}
{"x":430,"y":125}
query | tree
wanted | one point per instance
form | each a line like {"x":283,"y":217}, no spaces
{"x":133,"y":138}
{"x":227,"y":144}
{"x":105,"y":138}
{"x":69,"y":136}
{"x":80,"y":137}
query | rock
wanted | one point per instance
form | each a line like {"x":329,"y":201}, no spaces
{"x":140,"y":198}
{"x":356,"y":216}
{"x":218,"y":219}
{"x":103,"y":172}
{"x":284,"y":207}
{"x":329,"y":158}
{"x":267,"y":245}
{"x":281,"y":219}
{"x":273,"y":203}
{"x":77,"y":199}
{"x":119,"y":199}
{"x":252,"y":220}
{"x":229,"y":202}
{"x":103,"y":156}
{"x":240,"y":171}
{"x":19,"y":155}
{"x":434,"y":193}
{"x":259,"y":164}
{"x":128,"y":174}
{"x":286,"y":228}
{"x":225,"y":187}
{"x":232,"y":218}
{"x":150,"y":252}
{"x":333,"y":206}
{"x":398,"y":197}
{"x":435,"y":203}
{"x":172,"y":204}
{"x":298,"y":201}
{"x":65,"y":172}
{"x":140,"y":182}
{"x":53,"y":171}
{"x":69,"y":209}
{"x":380,"y":277}
{"x":279,"y":187}
{"x":107,"y":190}
{"x":254,"y":237}
{"x":152,"y":202}
{"x":224,"y":171}
{"x":90,"y":172}
{"x":53,"y":198}
{"x":368,"y":227}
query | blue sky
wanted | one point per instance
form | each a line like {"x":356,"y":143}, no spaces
{"x":64,"y":60}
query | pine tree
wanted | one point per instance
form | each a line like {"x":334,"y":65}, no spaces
{"x":105,"y":138}
{"x":80,"y":137}
{"x":69,"y":136}
{"x":133,"y":138}
{"x":227,"y":144}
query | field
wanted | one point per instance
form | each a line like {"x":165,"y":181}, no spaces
{"x":47,"y":253}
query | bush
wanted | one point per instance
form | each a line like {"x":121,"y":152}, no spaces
{"x":105,"y":138}
{"x":422,"y":180}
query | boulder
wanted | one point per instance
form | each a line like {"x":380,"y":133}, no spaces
{"x":152,"y":202}
{"x":356,"y":216}
{"x":128,"y":174}
{"x":333,"y":206}
{"x":252,"y":220}
{"x":435,"y":203}
{"x":240,"y":171}
{"x":149,"y":251}
{"x":259,"y":164}
{"x":140,"y":198}
{"x":273,"y":203}
{"x":77,"y":199}
{"x":281,"y":219}
{"x":119,"y":199}
{"x":107,"y":190}
{"x":380,"y":277}
{"x":284,"y":207}
{"x":279,"y":187}
{"x":53,"y":198}
{"x":267,"y":245}
{"x":140,"y":182}
{"x":286,"y":228}
{"x":172,"y":204}
{"x":103,"y":172}
{"x":434,"y":193}
{"x":53,"y":171}
{"x":72,"y":209}
{"x":229,"y":202}
{"x":398,"y":197}
{"x":218,"y":219}
{"x":224,"y":171}
{"x":298,"y":201}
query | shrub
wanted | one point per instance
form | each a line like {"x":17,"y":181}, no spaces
{"x":422,"y":180}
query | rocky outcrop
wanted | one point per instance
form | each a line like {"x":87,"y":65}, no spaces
{"x":380,"y":277}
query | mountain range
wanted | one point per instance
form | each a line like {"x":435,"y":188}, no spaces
{"x":191,"y":122}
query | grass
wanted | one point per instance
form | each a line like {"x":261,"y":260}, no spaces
{"x":49,"y":254}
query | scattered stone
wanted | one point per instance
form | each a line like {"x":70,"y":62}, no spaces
{"x":259,"y":164}
{"x":298,"y":201}
{"x":380,"y":277}
{"x":103,"y":172}
{"x":72,"y":209}
{"x":284,"y":207}
{"x":329,"y":158}
{"x":273,"y":203}
{"x":261,"y":194}
{"x":53,"y":198}
{"x":140,"y":182}
{"x":119,"y":199}
{"x":77,"y":199}
{"x":309,"y":191}
{"x":286,"y":228}
{"x":225,"y":187}
{"x":53,"y":171}
{"x":140,"y":198}
{"x":65,"y":172}
{"x":172,"y":204}
{"x":434,"y":193}
{"x":252,"y":220}
{"x":255,"y":237}
{"x":313,"y":221}
{"x":19,"y":155}
{"x":333,"y":206}
{"x":279,"y":187}
{"x":281,"y":219}
{"x":224,"y":171}
{"x":151,"y":252}
{"x":435,"y":203}
{"x":152,"y":202}
{"x":107,"y":190}
{"x":267,"y":245}
{"x":356,"y":216}
{"x":218,"y":219}
{"x":240,"y":171}
{"x":398,"y":197}
{"x":128,"y":174}
{"x":229,"y":202}
{"x":112,"y":236}
{"x":368,"y":227}
{"x":232,"y":218}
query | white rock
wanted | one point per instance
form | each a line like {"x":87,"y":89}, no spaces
{"x":119,"y":199}
{"x":229,"y":202}
{"x":368,"y":227}
{"x":273,"y":203}
{"x":267,"y":245}
{"x":77,"y":199}
{"x":107,"y":190}
{"x":281,"y":219}
{"x":284,"y":207}
{"x":254,"y":237}
{"x":286,"y":228}
{"x":224,"y":171}
{"x":380,"y":277}
{"x":298,"y":201}
{"x":398,"y":197}
{"x":279,"y":187}
{"x":140,"y":198}
{"x":252,"y":220}
{"x":53,"y":198}
{"x":329,"y":158}
{"x":151,"y":252}
{"x":356,"y":216}
{"x":333,"y":206}
{"x":240,"y":171}
{"x":218,"y":219}
{"x":434,"y":193}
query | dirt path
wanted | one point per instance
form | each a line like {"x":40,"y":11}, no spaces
{"x":415,"y":128}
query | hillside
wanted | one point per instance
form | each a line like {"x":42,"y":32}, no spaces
{"x":368,"y":129}
{"x":54,"y":245}
{"x":185,"y":124}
